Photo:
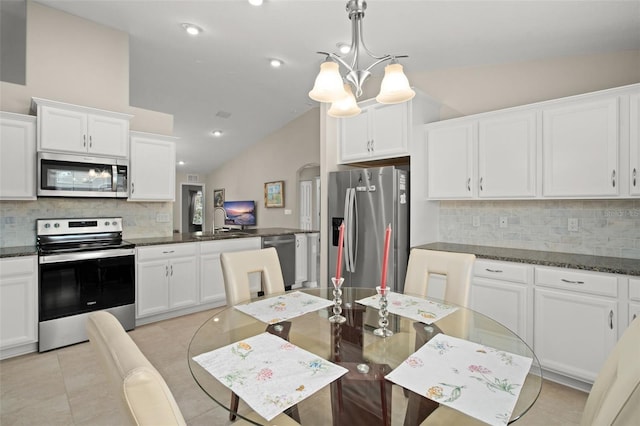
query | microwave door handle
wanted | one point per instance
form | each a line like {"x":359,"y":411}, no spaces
{"x":114,"y":178}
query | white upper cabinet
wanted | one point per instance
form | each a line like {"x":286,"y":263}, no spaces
{"x":152,"y":167}
{"x":379,"y":131}
{"x":17,"y":156}
{"x":507,"y":156}
{"x":580,"y":144}
{"x":634,"y":145}
{"x":81,"y":130}
{"x":450,"y":161}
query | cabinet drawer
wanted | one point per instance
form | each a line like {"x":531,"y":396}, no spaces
{"x":570,"y":279}
{"x":167,"y":250}
{"x":634,"y":289}
{"x":501,"y":271}
{"x":18,"y":266}
{"x":239,"y":244}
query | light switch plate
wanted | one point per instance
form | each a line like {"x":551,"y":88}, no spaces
{"x":162,"y":217}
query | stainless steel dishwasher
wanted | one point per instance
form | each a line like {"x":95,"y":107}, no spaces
{"x":285,"y":245}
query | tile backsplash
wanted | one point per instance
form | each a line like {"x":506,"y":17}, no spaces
{"x":604,"y":227}
{"x":18,"y":218}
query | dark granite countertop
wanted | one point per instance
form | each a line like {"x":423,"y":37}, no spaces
{"x":174,"y":239}
{"x":614,"y":265}
{"x":18,"y":251}
{"x":210,"y":236}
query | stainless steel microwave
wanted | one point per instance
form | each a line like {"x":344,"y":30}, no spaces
{"x":68,"y":175}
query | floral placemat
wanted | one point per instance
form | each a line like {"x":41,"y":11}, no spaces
{"x":415,"y":308}
{"x":269,"y":373}
{"x":477,"y":380}
{"x":281,"y":308}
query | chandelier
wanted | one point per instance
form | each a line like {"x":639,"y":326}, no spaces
{"x":330,"y":86}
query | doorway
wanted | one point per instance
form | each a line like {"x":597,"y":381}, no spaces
{"x":192,"y":208}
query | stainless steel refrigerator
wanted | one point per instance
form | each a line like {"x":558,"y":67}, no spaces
{"x":368,"y":200}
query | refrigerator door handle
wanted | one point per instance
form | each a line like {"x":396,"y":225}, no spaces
{"x":354,"y":242}
{"x":347,"y":224}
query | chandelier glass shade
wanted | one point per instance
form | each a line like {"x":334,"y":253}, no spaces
{"x":331,"y":86}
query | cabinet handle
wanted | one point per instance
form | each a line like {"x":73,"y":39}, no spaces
{"x":634,"y":317}
{"x":634,"y":174}
{"x":84,"y":140}
{"x":133,"y":188}
{"x":497,"y":271}
{"x":373,"y":145}
{"x":611,"y":319}
{"x":166,"y":270}
{"x":171,"y":270}
{"x":167,"y":252}
{"x":469,"y":184}
{"x":90,"y":141}
{"x":481,"y":183}
{"x":368,"y":146}
{"x":571,"y":282}
{"x":613,"y":178}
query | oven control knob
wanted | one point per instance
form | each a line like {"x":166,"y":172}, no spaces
{"x":106,"y":223}
{"x":47,"y":225}
{"x":114,"y":223}
{"x":56,"y":225}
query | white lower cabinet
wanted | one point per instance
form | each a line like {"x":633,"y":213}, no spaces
{"x":18,"y":304}
{"x":302,"y":271}
{"x":575,"y":316}
{"x":166,"y":278}
{"x":211,"y":279}
{"x":634,"y":299}
{"x":503,"y":292}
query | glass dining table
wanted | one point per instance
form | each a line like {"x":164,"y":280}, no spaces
{"x":362,"y":396}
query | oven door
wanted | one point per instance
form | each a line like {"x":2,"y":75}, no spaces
{"x":76,"y":283}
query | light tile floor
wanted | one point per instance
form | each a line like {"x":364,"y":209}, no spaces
{"x":67,"y":386}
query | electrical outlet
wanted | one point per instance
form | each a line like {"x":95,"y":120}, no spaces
{"x":476,"y":221}
{"x":572,"y":224}
{"x":287,"y":211}
{"x":162,"y":217}
{"x":503,"y":222}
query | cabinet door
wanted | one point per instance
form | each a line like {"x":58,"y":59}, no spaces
{"x":355,"y":142}
{"x":62,"y":130}
{"x":301,"y":258}
{"x":17,"y":157}
{"x":183,"y":290}
{"x":108,"y":136}
{"x":580,"y":149}
{"x":574,"y":333}
{"x":153,"y":169}
{"x":152,"y":283}
{"x":634,"y":145}
{"x":450,"y":162}
{"x":507,"y":156}
{"x":389,"y":130}
{"x":505,"y":302}
{"x":211,"y":280}
{"x":18,"y":301}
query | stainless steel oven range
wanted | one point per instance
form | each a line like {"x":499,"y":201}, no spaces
{"x":83,"y":266}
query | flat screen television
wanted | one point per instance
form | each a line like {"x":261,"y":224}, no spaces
{"x":241,"y":213}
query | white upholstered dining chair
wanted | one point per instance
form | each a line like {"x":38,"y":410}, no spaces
{"x":237,"y":267}
{"x":145,"y":395}
{"x":456,"y":267}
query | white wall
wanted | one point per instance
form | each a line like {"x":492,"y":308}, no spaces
{"x":74,"y":60}
{"x":277,"y":157}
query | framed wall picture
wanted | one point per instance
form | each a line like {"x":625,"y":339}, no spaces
{"x":274,"y":194}
{"x":218,"y":197}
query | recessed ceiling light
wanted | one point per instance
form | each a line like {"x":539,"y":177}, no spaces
{"x":181,"y":163}
{"x":255,"y":2}
{"x":275,"y":63}
{"x":216,"y":133}
{"x":192,"y":29}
